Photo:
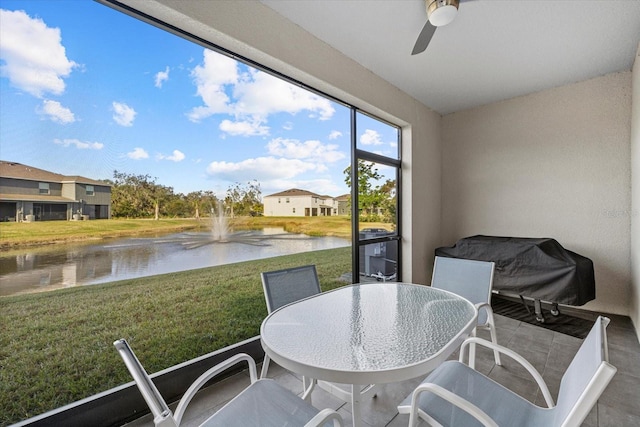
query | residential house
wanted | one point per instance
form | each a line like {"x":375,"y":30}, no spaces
{"x":31,"y":194}
{"x":344,"y":205}
{"x":296,"y":202}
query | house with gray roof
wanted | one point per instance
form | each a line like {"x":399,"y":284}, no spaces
{"x":31,"y":194}
{"x":296,"y":202}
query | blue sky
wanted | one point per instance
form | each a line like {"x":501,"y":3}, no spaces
{"x":86,"y":90}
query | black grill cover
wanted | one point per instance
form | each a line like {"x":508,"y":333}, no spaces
{"x":531,"y":267}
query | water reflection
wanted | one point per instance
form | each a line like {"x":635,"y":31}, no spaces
{"x":49,"y":269}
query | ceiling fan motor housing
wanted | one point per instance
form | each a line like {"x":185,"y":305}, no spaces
{"x":441,"y":12}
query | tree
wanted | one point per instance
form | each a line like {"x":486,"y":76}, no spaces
{"x":389,"y":203}
{"x":244,"y":200}
{"x":137,"y":196}
{"x":373,"y":200}
{"x":160,"y":195}
{"x":194,"y":199}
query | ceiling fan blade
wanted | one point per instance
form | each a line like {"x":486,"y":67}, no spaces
{"x":424,"y":38}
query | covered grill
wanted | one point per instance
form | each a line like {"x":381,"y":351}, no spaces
{"x":537,"y":268}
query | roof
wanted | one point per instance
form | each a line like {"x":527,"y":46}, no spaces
{"x":19,"y":171}
{"x":34,"y":198}
{"x":294,"y":192}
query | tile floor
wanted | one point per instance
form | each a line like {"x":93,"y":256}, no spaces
{"x":550,"y":352}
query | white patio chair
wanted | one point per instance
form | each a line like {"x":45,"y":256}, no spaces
{"x":472,"y":280}
{"x":282,"y":287}
{"x":263,"y":403}
{"x":456,"y":395}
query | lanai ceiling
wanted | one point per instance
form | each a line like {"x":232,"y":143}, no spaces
{"x":493,"y":50}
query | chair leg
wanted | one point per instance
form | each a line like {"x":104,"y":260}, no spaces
{"x":265,"y":367}
{"x":308,"y":384}
{"x":472,"y":351}
{"x":494,"y":336}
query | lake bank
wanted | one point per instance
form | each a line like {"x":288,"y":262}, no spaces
{"x":15,"y":235}
{"x":48,"y":268}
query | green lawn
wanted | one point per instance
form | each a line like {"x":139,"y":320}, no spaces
{"x":13,"y":234}
{"x":20,"y":234}
{"x":56,"y":347}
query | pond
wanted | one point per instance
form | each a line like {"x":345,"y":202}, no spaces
{"x":63,"y":266}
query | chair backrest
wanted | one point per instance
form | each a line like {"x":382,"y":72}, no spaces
{"x":586,"y":377}
{"x":285,"y":286}
{"x":468,"y":278}
{"x":162,"y":415}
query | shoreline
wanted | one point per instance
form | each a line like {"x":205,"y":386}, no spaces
{"x":16,"y":236}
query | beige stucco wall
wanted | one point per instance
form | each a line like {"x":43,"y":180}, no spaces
{"x":549,"y":164}
{"x":634,"y":311}
{"x":255,"y":31}
{"x":286,"y":205}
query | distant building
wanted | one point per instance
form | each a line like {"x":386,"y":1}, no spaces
{"x":296,"y":202}
{"x":343,"y":204}
{"x":32,"y":194}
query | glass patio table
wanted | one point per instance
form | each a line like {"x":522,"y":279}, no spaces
{"x":369,"y":333}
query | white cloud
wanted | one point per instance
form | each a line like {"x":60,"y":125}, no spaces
{"x":311,"y":149}
{"x":211,"y":78}
{"x":138,"y":153}
{"x":80,"y":145}
{"x":34,"y":58}
{"x":335,"y":134}
{"x":371,"y":137}
{"x":57,"y":112}
{"x":244,"y":128}
{"x":261,"y":94}
{"x":123,"y":114}
{"x":261,"y":168}
{"x":287,"y":126}
{"x":250,"y":97}
{"x":161,"y":77}
{"x":176,"y":156}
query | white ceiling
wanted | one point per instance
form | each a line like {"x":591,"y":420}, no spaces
{"x":493,"y":50}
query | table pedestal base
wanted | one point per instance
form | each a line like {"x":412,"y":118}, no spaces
{"x":354,"y":395}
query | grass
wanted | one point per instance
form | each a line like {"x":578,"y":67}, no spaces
{"x":14,"y":234}
{"x":56,"y":347}
{"x":21,"y":234}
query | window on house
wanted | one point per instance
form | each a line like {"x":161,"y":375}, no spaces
{"x":89,"y":190}
{"x":287,"y":200}
{"x":293,"y":210}
{"x":43,"y":188}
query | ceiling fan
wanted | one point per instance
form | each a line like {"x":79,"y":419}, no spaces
{"x":439,"y":13}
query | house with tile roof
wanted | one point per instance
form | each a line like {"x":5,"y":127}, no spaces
{"x":296,"y":202}
{"x":31,"y":194}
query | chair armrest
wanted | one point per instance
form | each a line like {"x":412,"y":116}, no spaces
{"x":484,"y":305}
{"x":210,"y":373}
{"x":325,"y":416}
{"x":450,"y":397}
{"x":153,"y":398}
{"x":515,"y":356}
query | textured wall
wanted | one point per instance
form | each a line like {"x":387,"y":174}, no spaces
{"x":635,"y":197}
{"x":549,"y":164}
